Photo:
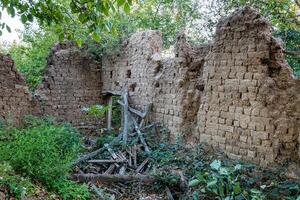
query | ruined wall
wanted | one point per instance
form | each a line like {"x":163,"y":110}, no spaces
{"x":15,"y":99}
{"x":72,"y":81}
{"x":169,"y":84}
{"x":250,"y":106}
{"x":237,"y":94}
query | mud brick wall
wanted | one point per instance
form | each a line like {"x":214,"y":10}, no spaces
{"x":72,"y":81}
{"x":169,"y":84}
{"x":15,"y":99}
{"x":236,"y":94}
{"x":250,"y":106}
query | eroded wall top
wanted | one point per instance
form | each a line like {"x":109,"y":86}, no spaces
{"x":72,"y":81}
{"x":15,"y":98}
{"x":251,"y":101}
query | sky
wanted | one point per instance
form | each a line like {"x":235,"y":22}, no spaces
{"x":15,"y":24}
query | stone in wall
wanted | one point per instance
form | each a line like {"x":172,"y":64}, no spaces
{"x":250,"y":106}
{"x":71,"y":82}
{"x":15,"y":98}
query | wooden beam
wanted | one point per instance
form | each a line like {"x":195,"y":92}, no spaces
{"x":126,"y":118}
{"x":109,"y":113}
{"x":106,"y":161}
{"x":93,"y":178}
{"x":140,"y":134}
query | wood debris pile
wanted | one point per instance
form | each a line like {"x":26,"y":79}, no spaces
{"x":111,"y":167}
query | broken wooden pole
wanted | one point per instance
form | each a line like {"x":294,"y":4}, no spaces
{"x":125,"y":108}
{"x":141,"y":137}
{"x":109,"y":113}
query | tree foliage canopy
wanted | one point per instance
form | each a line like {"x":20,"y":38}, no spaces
{"x":109,"y":21}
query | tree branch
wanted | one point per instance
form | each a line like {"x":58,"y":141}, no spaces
{"x":292,"y":53}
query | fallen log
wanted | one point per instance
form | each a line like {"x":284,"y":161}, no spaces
{"x":93,"y":178}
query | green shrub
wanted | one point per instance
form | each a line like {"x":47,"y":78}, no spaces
{"x":71,"y":190}
{"x":14,"y":184}
{"x":42,"y":151}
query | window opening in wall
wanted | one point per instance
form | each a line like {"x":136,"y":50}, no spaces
{"x":132,"y":87}
{"x":111,"y":74}
{"x":128,"y":73}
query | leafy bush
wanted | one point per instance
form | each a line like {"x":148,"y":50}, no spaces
{"x":241,"y":182}
{"x":222,"y":183}
{"x":14,"y":184}
{"x":42,"y":150}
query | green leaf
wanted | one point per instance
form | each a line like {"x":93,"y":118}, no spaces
{"x":96,"y":37}
{"x":194,"y":183}
{"x":221,"y":189}
{"x":200,"y":177}
{"x":211,"y":183}
{"x":0,"y":32}
{"x":196,"y":195}
{"x":236,"y":188}
{"x":24,"y":18}
{"x":30,"y":17}
{"x":127,"y":8}
{"x":223,"y":171}
{"x":216,"y":164}
{"x":120,"y":2}
{"x":255,"y":191}
{"x":8,"y":29}
{"x":83,"y":18}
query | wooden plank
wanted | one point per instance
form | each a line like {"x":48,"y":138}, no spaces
{"x":126,"y":118}
{"x":141,"y":167}
{"x":134,"y":111}
{"x":106,"y":161}
{"x":141,"y":137}
{"x":110,"y":170}
{"x":109,"y":113}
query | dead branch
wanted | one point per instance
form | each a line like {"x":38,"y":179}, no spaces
{"x":292,"y":53}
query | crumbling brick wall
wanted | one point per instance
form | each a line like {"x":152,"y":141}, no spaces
{"x":251,"y":103}
{"x":237,"y":94}
{"x":72,"y":81}
{"x":169,"y":84}
{"x":15,"y":98}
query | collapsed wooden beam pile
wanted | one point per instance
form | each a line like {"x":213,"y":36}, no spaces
{"x":114,"y":166}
